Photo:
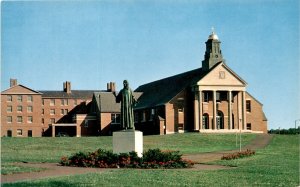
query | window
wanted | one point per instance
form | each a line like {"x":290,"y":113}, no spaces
{"x":52,"y":102}
{"x":248,"y":105}
{"x":19,"y":119}
{"x":43,"y":111}
{"x":52,"y":111}
{"x":43,"y":120}
{"x":75,"y":102}
{"x":9,"y":119}
{"x":136,"y":117}
{"x":143,"y":116}
{"x":29,"y":119}
{"x":115,"y":118}
{"x":43,"y":101}
{"x":86,"y":123}
{"x":19,"y":98}
{"x":205,"y":96}
{"x":9,"y":98}
{"x":52,"y":120}
{"x":9,"y":108}
{"x":248,"y":126}
{"x":19,"y":108}
{"x":29,"y":98}
{"x":19,"y":132}
{"x":64,"y":111}
{"x":64,"y":102}
{"x":152,"y":114}
{"x":29,"y":109}
{"x":222,"y":75}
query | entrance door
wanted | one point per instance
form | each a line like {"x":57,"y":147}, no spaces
{"x":29,"y":133}
{"x":9,"y":133}
{"x":220,"y":120}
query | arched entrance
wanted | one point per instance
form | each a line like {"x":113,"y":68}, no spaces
{"x":205,"y":120}
{"x":220,"y":120}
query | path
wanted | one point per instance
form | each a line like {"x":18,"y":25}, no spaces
{"x":261,"y":141}
{"x":54,"y":170}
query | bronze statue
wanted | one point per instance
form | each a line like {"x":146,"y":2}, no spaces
{"x":127,"y":100}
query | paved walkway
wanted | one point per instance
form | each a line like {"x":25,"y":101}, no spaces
{"x":54,"y":170}
{"x":261,"y":141}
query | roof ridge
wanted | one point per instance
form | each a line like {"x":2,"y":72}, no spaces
{"x":170,"y":77}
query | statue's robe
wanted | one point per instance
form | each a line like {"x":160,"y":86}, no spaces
{"x":127,"y":102}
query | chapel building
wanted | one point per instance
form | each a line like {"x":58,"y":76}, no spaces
{"x":210,"y":99}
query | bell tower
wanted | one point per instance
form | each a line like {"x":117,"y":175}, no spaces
{"x":213,"y":53}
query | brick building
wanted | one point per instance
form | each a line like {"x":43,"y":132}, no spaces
{"x":29,"y":113}
{"x":210,"y":99}
{"x":20,"y":111}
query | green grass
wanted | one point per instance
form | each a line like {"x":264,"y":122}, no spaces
{"x":276,"y":165}
{"x":10,"y":168}
{"x":52,"y":149}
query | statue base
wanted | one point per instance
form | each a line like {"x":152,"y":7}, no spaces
{"x":126,"y":141}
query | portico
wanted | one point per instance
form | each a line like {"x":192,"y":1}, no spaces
{"x":219,"y":109}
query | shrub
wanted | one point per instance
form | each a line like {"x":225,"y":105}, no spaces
{"x":153,"y":158}
{"x":237,"y":155}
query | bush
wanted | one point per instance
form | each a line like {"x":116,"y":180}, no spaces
{"x":153,"y":158}
{"x":237,"y":155}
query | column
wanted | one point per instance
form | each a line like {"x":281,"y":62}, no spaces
{"x":214,"y":110}
{"x":229,"y":110}
{"x":78,"y":130}
{"x":244,"y":109}
{"x":240,"y":110}
{"x":53,"y":130}
{"x":200,"y":109}
{"x":196,"y":112}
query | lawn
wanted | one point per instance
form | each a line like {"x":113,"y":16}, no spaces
{"x":275,"y":165}
{"x":52,"y":149}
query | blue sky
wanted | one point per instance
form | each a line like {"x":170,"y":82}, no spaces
{"x":91,"y":43}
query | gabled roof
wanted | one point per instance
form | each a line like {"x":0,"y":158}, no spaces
{"x":74,"y":94}
{"x":11,"y":90}
{"x":106,"y":101}
{"x":162,"y":91}
{"x":231,"y":71}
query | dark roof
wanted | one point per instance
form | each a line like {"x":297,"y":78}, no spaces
{"x":74,"y":94}
{"x":106,"y":101}
{"x":162,"y":91}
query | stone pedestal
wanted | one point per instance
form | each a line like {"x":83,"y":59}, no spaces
{"x":128,"y":140}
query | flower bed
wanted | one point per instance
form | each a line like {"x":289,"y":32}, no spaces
{"x":237,"y":155}
{"x":153,"y":158}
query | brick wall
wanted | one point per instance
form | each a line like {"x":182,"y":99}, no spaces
{"x":35,"y":126}
{"x":256,"y":116}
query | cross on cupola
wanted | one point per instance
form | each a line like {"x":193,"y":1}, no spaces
{"x":213,"y":53}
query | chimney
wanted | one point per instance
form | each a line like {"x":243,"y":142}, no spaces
{"x":67,"y":87}
{"x":111,"y":87}
{"x":13,"y":82}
